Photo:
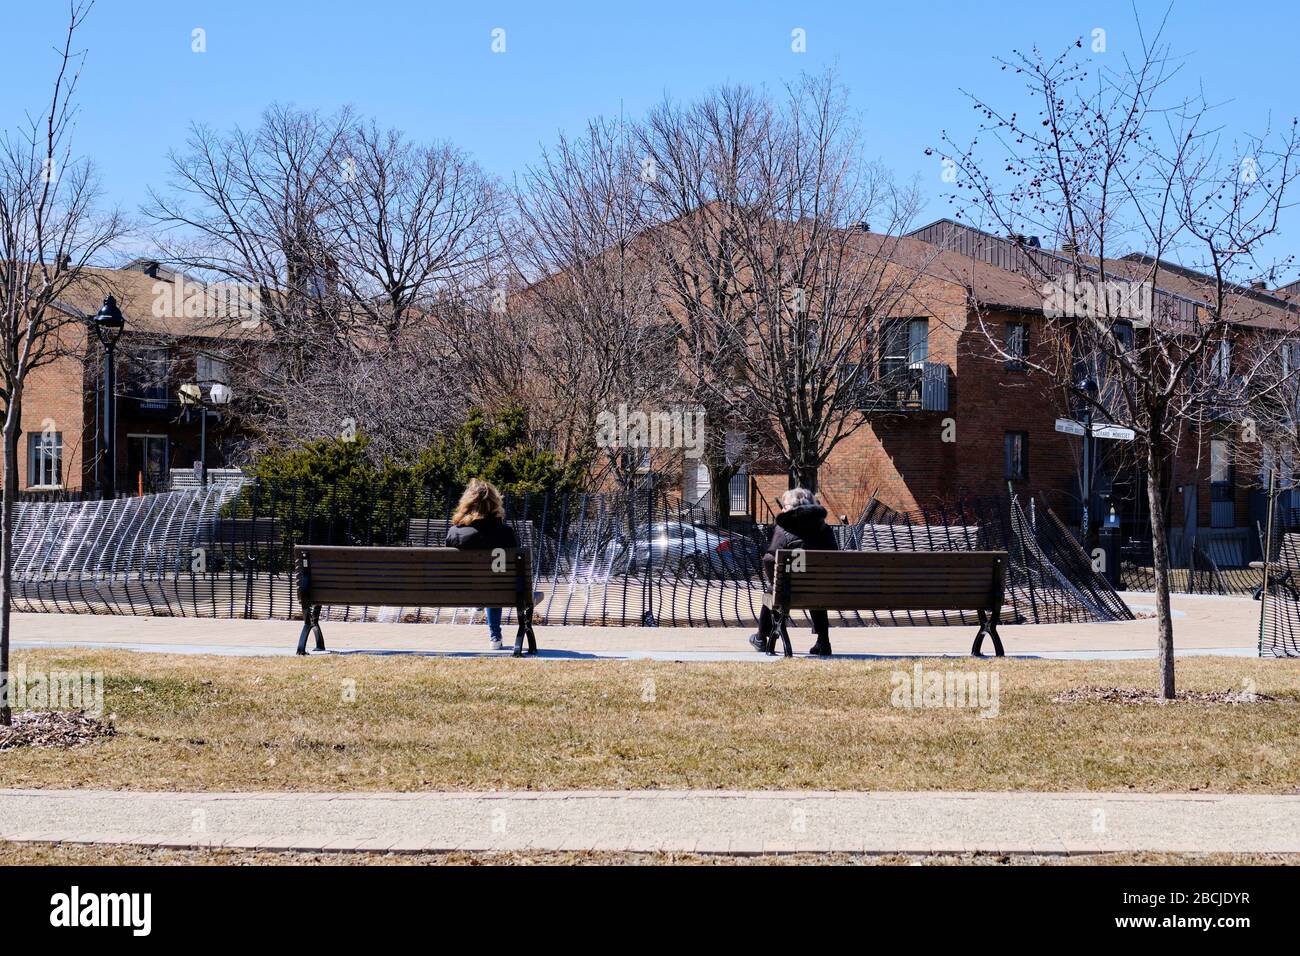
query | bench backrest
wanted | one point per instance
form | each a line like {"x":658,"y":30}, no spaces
{"x":414,"y":577}
{"x":432,"y":532}
{"x":890,"y":580}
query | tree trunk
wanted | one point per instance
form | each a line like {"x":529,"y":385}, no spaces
{"x":804,"y":475}
{"x":720,"y":473}
{"x":7,"y":559}
{"x":1160,"y":558}
{"x":720,"y":490}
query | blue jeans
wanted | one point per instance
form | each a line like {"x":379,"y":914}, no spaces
{"x":494,"y":622}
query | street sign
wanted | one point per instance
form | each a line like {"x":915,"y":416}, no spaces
{"x":1098,"y":431}
{"x":1113,"y":431}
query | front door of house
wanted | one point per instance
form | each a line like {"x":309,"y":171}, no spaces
{"x":146,"y":463}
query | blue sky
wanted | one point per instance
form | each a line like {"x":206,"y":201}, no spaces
{"x":428,"y":67}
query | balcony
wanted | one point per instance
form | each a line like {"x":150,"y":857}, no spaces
{"x":920,"y":387}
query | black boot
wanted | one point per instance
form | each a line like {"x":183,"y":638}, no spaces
{"x":820,"y":649}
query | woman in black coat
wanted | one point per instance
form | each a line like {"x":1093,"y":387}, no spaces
{"x":801,"y":524}
{"x":479,"y":524}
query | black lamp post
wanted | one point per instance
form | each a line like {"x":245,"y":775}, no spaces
{"x":108,"y":323}
{"x":1089,"y":389}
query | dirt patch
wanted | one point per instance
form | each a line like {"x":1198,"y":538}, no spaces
{"x":1139,"y":695}
{"x":52,"y":728}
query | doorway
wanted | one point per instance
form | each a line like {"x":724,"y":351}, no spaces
{"x":146,"y":463}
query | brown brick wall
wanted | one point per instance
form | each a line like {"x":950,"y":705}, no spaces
{"x":56,"y":392}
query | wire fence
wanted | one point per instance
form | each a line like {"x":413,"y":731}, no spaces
{"x":1279,"y":586}
{"x":226,"y":550}
{"x":1204,"y":563}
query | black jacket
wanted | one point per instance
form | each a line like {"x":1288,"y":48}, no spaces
{"x":803,"y":527}
{"x":482,"y":535}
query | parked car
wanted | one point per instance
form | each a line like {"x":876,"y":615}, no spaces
{"x":680,"y":549}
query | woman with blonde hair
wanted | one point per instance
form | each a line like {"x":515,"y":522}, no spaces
{"x":478,"y":524}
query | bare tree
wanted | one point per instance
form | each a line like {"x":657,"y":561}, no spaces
{"x":595,"y":330}
{"x":352,"y":239}
{"x":254,"y":208}
{"x":698,"y":165}
{"x":412,"y":225}
{"x":1111,"y":162}
{"x":822,"y":284}
{"x":50,"y":232}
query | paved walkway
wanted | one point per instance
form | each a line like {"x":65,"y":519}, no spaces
{"x":1202,"y":625}
{"x":684,"y":821}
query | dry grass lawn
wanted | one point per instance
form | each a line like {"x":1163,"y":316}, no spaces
{"x":409,"y":723}
{"x":66,"y":854}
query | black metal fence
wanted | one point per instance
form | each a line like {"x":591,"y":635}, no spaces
{"x":634,"y":559}
{"x":1208,"y":563}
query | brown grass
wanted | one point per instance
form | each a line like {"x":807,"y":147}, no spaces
{"x":72,"y":854}
{"x":220,"y":723}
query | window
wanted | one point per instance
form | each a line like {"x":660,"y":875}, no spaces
{"x":905,"y":343}
{"x":1124,"y":334}
{"x":1221,"y":361}
{"x":1016,"y":346}
{"x":1290,"y":358}
{"x":152,"y":375}
{"x":45,"y":459}
{"x":1017,"y":456}
{"x":1220,"y":461}
{"x":209,"y":370}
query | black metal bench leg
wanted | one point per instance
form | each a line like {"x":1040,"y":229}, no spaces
{"x":997,"y":641}
{"x":989,"y":626}
{"x":315,"y":626}
{"x":525,"y":613}
{"x":979,"y":637}
{"x":306,"y":629}
{"x":532,"y":638}
{"x":785,"y":637}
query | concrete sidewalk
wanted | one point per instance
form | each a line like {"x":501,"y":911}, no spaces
{"x":682,"y":821}
{"x":1203,"y":625}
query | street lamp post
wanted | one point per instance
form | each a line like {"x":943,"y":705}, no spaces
{"x":108,"y":323}
{"x":192,"y":395}
{"x":1089,"y":389}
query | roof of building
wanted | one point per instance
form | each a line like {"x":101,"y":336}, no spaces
{"x":997,"y":272}
{"x":162,"y":302}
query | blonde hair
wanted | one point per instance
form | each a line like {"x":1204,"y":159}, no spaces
{"x":480,"y":500}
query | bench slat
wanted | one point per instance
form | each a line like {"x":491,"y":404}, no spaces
{"x":414,"y":577}
{"x":891,"y":581}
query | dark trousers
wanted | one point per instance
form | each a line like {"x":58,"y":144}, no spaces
{"x":821,"y":623}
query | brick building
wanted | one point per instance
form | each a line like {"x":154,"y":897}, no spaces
{"x":157,"y":429}
{"x":974,"y":425}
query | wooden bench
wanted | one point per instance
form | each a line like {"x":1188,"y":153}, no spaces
{"x":414,"y":577}
{"x":808,"y":580}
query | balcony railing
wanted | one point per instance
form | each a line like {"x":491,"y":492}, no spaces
{"x":922,"y":387}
